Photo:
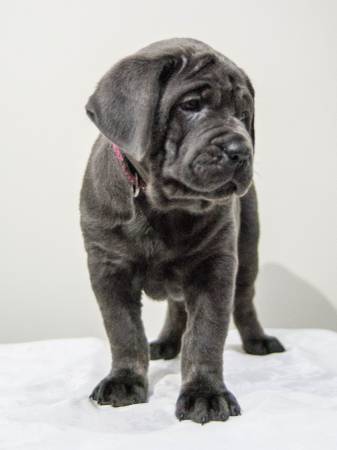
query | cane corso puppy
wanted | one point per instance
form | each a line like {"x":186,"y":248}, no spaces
{"x":168,"y":207}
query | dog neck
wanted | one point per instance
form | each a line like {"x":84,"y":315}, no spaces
{"x":134,"y":172}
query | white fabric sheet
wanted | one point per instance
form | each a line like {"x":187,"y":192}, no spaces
{"x":289,"y":400}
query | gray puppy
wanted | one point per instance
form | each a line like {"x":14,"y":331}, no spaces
{"x":183,"y":115}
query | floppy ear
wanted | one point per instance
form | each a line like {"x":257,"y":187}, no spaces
{"x":124,"y":103}
{"x":252,"y":124}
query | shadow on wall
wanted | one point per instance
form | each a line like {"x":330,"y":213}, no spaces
{"x":285,"y":300}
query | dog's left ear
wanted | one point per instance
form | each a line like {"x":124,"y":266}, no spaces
{"x":124,"y":104}
{"x":252,"y":125}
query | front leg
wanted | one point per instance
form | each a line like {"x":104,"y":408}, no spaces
{"x":209,"y":296}
{"x":118,"y":293}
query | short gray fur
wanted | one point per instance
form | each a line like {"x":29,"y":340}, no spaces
{"x":185,"y":113}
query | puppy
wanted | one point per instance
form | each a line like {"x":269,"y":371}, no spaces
{"x":168,"y":207}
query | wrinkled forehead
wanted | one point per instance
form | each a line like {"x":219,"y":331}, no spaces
{"x":206,"y":70}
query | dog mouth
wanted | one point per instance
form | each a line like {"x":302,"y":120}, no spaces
{"x":175,"y":189}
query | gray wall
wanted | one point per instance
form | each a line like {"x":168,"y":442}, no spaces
{"x":52,"y":54}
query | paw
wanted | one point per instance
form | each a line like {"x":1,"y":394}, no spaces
{"x":263,"y":346}
{"x":164,"y":349}
{"x":120,"y":390}
{"x":205,"y":406}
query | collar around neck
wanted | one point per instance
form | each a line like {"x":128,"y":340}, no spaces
{"x":135,"y":175}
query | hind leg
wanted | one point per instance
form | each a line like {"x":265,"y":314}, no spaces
{"x":254,"y":340}
{"x":168,"y":344}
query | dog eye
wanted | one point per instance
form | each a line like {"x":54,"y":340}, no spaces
{"x":193,"y":105}
{"x":243,"y":116}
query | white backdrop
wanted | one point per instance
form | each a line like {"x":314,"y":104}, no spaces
{"x":53,"y":53}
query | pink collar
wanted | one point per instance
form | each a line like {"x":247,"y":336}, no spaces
{"x":134,"y":179}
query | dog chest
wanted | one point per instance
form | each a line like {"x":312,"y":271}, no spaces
{"x":163,"y":280}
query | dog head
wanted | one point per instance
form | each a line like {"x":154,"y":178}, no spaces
{"x":186,"y":113}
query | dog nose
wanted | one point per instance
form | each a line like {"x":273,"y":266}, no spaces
{"x":237,"y":152}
